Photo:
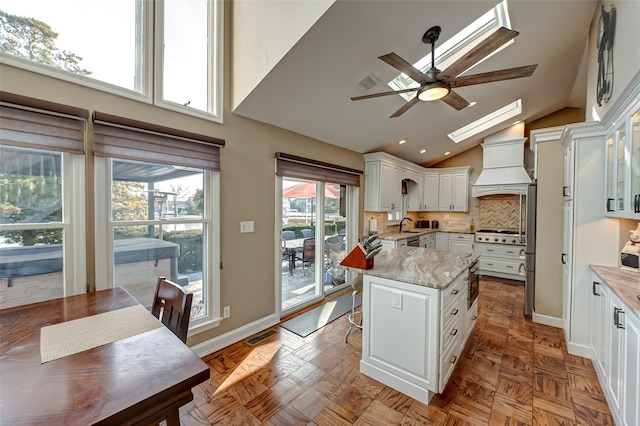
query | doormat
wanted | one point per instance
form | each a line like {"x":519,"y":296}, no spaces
{"x":310,"y":321}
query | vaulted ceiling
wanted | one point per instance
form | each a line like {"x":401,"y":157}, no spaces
{"x":308,"y":91}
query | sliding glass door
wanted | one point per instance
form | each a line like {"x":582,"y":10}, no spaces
{"x":314,"y":241}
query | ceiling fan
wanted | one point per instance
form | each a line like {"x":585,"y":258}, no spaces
{"x":436,"y":84}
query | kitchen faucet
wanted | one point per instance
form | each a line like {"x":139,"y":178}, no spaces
{"x":402,"y":221}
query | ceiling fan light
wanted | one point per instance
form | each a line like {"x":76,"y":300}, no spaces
{"x":433,"y":91}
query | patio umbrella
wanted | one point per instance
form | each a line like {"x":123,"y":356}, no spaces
{"x":308,"y":190}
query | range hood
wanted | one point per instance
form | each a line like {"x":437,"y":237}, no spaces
{"x":503,"y":169}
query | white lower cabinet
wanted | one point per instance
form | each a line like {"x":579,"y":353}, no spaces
{"x":461,"y":243}
{"x":615,"y":342}
{"x":428,"y":241}
{"x":412,"y":335}
{"x":442,"y":241}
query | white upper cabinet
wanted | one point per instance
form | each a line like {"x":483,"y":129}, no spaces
{"x":623,"y":166}
{"x":388,"y":179}
{"x":453,"y":190}
{"x":430,"y":187}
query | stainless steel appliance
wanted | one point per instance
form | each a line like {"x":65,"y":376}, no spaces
{"x":530,"y":250}
{"x":499,"y":236}
{"x":474,"y":283}
{"x":413,"y":241}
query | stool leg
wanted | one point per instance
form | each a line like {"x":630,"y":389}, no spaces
{"x":352,"y":315}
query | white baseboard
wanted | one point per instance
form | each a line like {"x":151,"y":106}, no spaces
{"x":220,"y":342}
{"x":547,"y":320}
{"x":580,"y":350}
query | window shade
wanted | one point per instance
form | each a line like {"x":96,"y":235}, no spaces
{"x":133,"y":140}
{"x":304,"y":168}
{"x":28,"y":127}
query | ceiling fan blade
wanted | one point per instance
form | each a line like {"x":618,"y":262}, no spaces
{"x":405,"y":107}
{"x":455,"y":100}
{"x":485,"y":48}
{"x":375,"y":95}
{"x":488,"y":77}
{"x":403,"y":66}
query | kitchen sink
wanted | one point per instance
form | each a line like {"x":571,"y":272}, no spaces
{"x":412,"y":232}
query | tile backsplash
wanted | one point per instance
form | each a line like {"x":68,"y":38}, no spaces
{"x":501,"y":212}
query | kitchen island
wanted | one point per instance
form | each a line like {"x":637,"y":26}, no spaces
{"x":416,"y":318}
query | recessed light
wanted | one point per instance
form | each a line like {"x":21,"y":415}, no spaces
{"x":401,"y":142}
{"x":472,"y":103}
{"x":447,"y":153}
{"x":422,"y":151}
{"x":517,"y":122}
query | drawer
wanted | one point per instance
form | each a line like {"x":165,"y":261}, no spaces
{"x":502,"y":265}
{"x":427,"y":238}
{"x":499,"y":250}
{"x":461,"y":237}
{"x":451,"y":312}
{"x":452,"y":332}
{"x":447,"y":363}
{"x":448,"y":295}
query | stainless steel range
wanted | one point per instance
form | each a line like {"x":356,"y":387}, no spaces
{"x":500,"y":237}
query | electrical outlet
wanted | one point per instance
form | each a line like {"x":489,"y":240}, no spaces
{"x":396,"y":300}
{"x":227,"y":312}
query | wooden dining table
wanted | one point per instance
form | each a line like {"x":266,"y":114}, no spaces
{"x":139,"y":379}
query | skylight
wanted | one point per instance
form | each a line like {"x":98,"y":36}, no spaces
{"x":458,"y":45}
{"x":501,"y":115}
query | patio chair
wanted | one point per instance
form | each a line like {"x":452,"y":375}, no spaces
{"x":172,"y":306}
{"x":288,"y":254}
{"x":308,"y":253}
{"x":308,"y":233}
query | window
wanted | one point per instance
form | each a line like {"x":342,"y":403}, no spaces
{"x":42,"y":218}
{"x":85,"y":47}
{"x":317,"y":228}
{"x":159,"y":213}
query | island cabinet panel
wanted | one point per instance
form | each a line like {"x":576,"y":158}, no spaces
{"x":402,"y":352}
{"x":413,"y":335}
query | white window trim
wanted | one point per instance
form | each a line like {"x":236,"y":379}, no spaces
{"x":148,"y":52}
{"x":104,"y":242}
{"x":73,"y":224}
{"x":143,"y":73}
{"x":353,"y":199}
{"x":214,"y":65}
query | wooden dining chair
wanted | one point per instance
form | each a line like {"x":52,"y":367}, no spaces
{"x":172,"y":306}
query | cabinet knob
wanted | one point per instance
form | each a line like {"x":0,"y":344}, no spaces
{"x":455,"y":291}
{"x":453,"y":359}
{"x":454,"y":331}
{"x":454,"y":312}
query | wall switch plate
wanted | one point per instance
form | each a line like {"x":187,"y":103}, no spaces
{"x":396,"y":300}
{"x":246,"y":226}
{"x":226,"y":312}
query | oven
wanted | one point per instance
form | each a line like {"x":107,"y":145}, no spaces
{"x":474,"y":283}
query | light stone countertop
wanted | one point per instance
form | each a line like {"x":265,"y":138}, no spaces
{"x":395,"y":236}
{"x":421,"y":266}
{"x":625,"y":284}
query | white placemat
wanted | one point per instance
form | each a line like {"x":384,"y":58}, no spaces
{"x":70,"y":337}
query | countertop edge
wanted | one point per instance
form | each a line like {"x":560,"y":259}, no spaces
{"x":627,"y":293}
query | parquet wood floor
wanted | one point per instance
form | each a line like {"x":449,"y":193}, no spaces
{"x":514,"y":372}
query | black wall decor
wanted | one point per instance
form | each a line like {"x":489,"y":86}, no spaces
{"x":606,"y":33}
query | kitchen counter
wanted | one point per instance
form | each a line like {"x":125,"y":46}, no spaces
{"x":421,"y":266}
{"x":395,"y":236}
{"x":625,"y":284}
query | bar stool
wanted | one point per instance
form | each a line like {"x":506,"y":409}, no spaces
{"x":356,"y":284}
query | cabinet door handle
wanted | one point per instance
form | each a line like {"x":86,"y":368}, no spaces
{"x":454,"y":312}
{"x":489,"y":264}
{"x":490,"y":250}
{"x":563,"y":261}
{"x":510,"y":251}
{"x":616,"y":317}
{"x":564,"y":191}
{"x":455,"y":291}
{"x":637,"y":203}
{"x":454,"y":331}
{"x":473,"y":318}
{"x":593,"y":290}
{"x":453,"y":359}
{"x":609,"y":200}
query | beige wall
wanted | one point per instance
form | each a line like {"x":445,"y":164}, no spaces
{"x":247,"y":182}
{"x":626,"y":54}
